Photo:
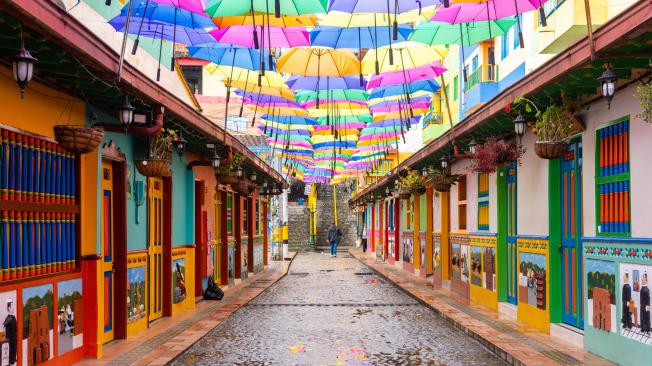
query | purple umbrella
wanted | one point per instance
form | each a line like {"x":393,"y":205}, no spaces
{"x":153,"y":29}
{"x":314,"y":83}
{"x":243,"y":35}
{"x":424,"y":72}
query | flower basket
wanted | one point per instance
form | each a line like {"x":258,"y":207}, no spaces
{"x":153,"y":167}
{"x":404,"y":193}
{"x":644,"y":96}
{"x":495,"y":153}
{"x":78,"y":139}
{"x":442,"y":186}
{"x":419,"y":190}
{"x":550,"y":149}
{"x":243,"y":188}
{"x":227,"y":179}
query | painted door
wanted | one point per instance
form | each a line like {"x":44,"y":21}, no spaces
{"x":219,"y":229}
{"x":107,"y":250}
{"x":155,"y":248}
{"x":512,"y":255}
{"x":571,"y":231}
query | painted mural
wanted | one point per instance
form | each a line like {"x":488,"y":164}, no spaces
{"x":38,"y":333}
{"x":71,"y":315}
{"x":460,"y":262}
{"x":178,"y":280}
{"x":601,"y":286}
{"x":408,"y":249}
{"x":436,"y":255}
{"x":422,"y":257}
{"x":8,"y":328}
{"x":532,"y":279}
{"x":135,"y":294}
{"x":390,"y":246}
{"x":476,"y":265}
{"x":489,"y":268}
{"x":635,"y":297}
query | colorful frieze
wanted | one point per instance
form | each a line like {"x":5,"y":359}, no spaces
{"x":483,"y":270}
{"x":408,"y":246}
{"x":436,"y":252}
{"x":601,"y":294}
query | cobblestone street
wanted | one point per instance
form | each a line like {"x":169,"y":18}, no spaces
{"x":335,"y":311}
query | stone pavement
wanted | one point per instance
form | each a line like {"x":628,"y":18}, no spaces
{"x":513,"y":341}
{"x":336,"y":311}
{"x":167,"y":337}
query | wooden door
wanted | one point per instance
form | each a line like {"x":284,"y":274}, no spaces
{"x":571,"y":232}
{"x":512,"y":253}
{"x":107,"y":239}
{"x":155,"y":248}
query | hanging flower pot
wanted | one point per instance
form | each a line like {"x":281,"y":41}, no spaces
{"x":550,"y":149}
{"x":441,"y":180}
{"x":419,"y":190}
{"x":78,"y":139}
{"x":495,"y":153}
{"x":404,"y":193}
{"x":226,"y":178}
{"x":153,"y":167}
{"x":644,"y":96}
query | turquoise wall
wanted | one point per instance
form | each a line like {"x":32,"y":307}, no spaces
{"x":183,"y":202}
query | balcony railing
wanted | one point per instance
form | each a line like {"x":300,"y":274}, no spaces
{"x":550,"y":6}
{"x":483,"y":74}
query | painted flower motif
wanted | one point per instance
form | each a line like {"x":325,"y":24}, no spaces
{"x":632,"y":253}
{"x":616,"y":251}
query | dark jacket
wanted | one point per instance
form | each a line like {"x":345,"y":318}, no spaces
{"x":332,"y":234}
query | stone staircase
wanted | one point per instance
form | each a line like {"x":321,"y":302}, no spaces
{"x":298,"y":227}
{"x":326,"y":213}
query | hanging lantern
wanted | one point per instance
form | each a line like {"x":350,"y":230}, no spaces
{"x":126,"y":113}
{"x":424,"y":171}
{"x":238,"y":172}
{"x":253,"y":177}
{"x":472,"y":146}
{"x":443,"y":161}
{"x":181,"y":145}
{"x":608,"y":81}
{"x":215,"y":160}
{"x":519,"y":126}
{"x":23,"y":67}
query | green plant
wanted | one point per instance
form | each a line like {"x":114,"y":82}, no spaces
{"x":441,"y":177}
{"x":644,"y":96}
{"x":232,"y":166}
{"x":412,"y":180}
{"x":161,"y":145}
{"x":553,"y":125}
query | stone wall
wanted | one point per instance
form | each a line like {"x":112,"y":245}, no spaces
{"x":326,"y":215}
{"x":298,"y":227}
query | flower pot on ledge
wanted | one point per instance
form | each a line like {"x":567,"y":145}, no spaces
{"x":550,"y":149}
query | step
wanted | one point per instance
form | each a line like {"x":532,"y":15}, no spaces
{"x":567,"y":333}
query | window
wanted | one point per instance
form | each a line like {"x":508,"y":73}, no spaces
{"x":483,"y":201}
{"x":455,"y":87}
{"x":461,"y":203}
{"x":229,"y":214}
{"x":35,"y":171}
{"x":612,"y":182}
{"x":193,"y":75}
{"x":474,"y":63}
{"x":390,"y":215}
{"x":245,"y":217}
{"x":504,"y":49}
{"x":516,"y":29}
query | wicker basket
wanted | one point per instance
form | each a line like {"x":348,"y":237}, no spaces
{"x":153,"y":167}
{"x":441,"y":186}
{"x":78,"y":139}
{"x":228,"y":179}
{"x":419,"y":191}
{"x":550,"y":149}
{"x":243,"y":188}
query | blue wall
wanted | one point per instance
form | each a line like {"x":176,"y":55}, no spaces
{"x":183,"y":202}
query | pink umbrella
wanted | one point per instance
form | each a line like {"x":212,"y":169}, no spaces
{"x":196,"y":6}
{"x":243,"y":35}
{"x":489,"y":10}
{"x":313,"y":103}
{"x":424,"y":72}
{"x":403,"y":107}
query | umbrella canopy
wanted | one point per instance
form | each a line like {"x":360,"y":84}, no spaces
{"x":429,"y":71}
{"x":439,"y":33}
{"x":487,"y":10}
{"x":243,"y":35}
{"x":379,"y":6}
{"x":153,"y":11}
{"x":196,"y":6}
{"x":340,"y":94}
{"x":347,"y":20}
{"x":223,"y":8}
{"x":262,"y":98}
{"x":314,"y":61}
{"x":297,"y":82}
{"x":313,"y":103}
{"x":282,"y":111}
{"x":242,"y":57}
{"x":158,"y":30}
{"x":282,"y":92}
{"x":357,"y":37}
{"x":398,"y":89}
{"x":282,"y":21}
{"x":270,"y":78}
{"x":407,"y":55}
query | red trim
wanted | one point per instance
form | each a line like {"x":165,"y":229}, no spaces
{"x":186,"y":61}
{"x":167,"y":246}
{"x":397,"y":228}
{"x":200,"y":244}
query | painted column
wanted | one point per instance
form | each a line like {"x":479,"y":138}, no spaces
{"x":415,"y":234}
{"x":429,"y":229}
{"x":372,"y":247}
{"x":265,"y":219}
{"x":386,"y":219}
{"x":397,"y":228}
{"x":445,"y":235}
{"x":501,"y":244}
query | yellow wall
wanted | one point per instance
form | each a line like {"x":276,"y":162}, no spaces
{"x":479,"y":294}
{"x":531,"y":315}
{"x":189,"y":301}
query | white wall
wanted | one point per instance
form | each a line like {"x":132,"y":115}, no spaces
{"x":436,"y":212}
{"x":532,"y":191}
{"x":461,"y":167}
{"x":640,"y":151}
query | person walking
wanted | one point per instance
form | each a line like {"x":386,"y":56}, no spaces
{"x":333,"y":237}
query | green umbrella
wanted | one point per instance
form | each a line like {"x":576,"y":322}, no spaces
{"x":226,"y":8}
{"x":333,"y":94}
{"x":346,"y":120}
{"x":466,"y":34}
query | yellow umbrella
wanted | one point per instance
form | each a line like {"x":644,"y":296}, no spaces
{"x":343,"y":131}
{"x":403,"y":55}
{"x":283,"y":21}
{"x":315,"y":113}
{"x":283,"y":92}
{"x":347,"y":20}
{"x":340,"y":105}
{"x":270,"y":78}
{"x":280,"y":111}
{"x":317,"y":61}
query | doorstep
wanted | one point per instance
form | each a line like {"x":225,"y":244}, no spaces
{"x":567,"y":333}
{"x":512,"y":340}
{"x":168,"y":337}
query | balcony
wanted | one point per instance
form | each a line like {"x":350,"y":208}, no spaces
{"x":480,"y":86}
{"x":566,"y":23}
{"x":483,"y":74}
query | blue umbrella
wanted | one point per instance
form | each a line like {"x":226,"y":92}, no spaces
{"x":290,"y":120}
{"x":269,"y":130}
{"x":356,"y":37}
{"x":157,"y":30}
{"x":398,"y":89}
{"x":324,"y":83}
{"x":153,"y":11}
{"x":245,"y":58}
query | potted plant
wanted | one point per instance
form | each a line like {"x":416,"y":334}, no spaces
{"x":78,"y":139}
{"x":226,"y":173}
{"x":495,"y":153}
{"x":160,"y":155}
{"x":441,"y":180}
{"x":644,"y":96}
{"x":411,"y":183}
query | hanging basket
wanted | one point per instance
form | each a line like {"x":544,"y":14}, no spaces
{"x":419,"y":190}
{"x":243,"y":188}
{"x":78,"y":139}
{"x":228,"y":179}
{"x":550,"y":149}
{"x":153,"y":167}
{"x":441,"y":186}
{"x":404,"y":194}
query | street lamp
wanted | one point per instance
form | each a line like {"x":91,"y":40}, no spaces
{"x":215,"y":160}
{"x":253,"y":177}
{"x":238,"y":172}
{"x":472,"y":145}
{"x":519,"y":126}
{"x":444,"y":162}
{"x":126,"y":113}
{"x":23,"y":67}
{"x":424,"y":171}
{"x":608,"y":81}
{"x":181,"y":145}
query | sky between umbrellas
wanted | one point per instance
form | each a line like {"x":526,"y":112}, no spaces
{"x":333,"y":84}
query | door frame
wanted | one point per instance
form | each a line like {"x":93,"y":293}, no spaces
{"x":114,"y":155}
{"x":200,"y":240}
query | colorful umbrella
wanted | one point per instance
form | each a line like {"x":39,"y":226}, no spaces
{"x":487,"y":10}
{"x":405,"y":55}
{"x":223,"y":8}
{"x":429,"y":71}
{"x":196,"y":6}
{"x":428,"y":85}
{"x":296,"y":82}
{"x":466,"y":34}
{"x":314,"y":61}
{"x":280,"y":37}
{"x":157,"y":30}
{"x":357,"y":37}
{"x":153,"y":11}
{"x":340,"y":94}
{"x":242,"y":57}
{"x":283,"y":21}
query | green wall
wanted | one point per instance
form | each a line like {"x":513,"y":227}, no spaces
{"x":554,"y":243}
{"x":183,"y":202}
{"x":501,"y":245}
